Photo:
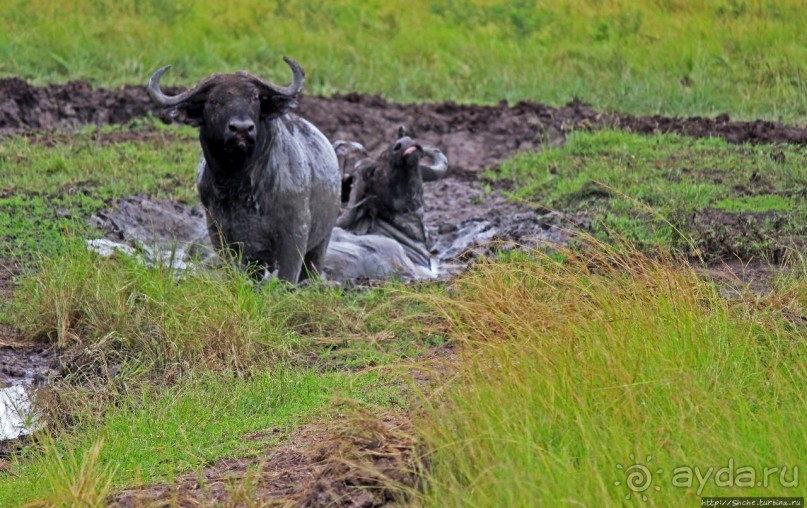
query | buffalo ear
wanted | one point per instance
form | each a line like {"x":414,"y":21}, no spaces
{"x":277,"y":105}
{"x":189,"y":113}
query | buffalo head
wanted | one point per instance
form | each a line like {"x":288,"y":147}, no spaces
{"x":400,"y":157}
{"x":229,"y":108}
{"x":386,"y":195}
{"x":434,"y":166}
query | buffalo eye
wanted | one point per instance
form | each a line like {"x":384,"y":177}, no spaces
{"x":396,"y":147}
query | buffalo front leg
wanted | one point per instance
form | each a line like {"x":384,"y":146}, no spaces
{"x":290,"y":258}
{"x":314,"y":260}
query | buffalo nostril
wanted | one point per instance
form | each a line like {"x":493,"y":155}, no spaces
{"x":241,"y":126}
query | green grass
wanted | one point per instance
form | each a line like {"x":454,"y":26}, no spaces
{"x":158,"y":433}
{"x":696,"y":196}
{"x":49,"y":190}
{"x":156,"y":321}
{"x":743,"y":57}
{"x":758,"y":204}
{"x":572,"y":364}
{"x":578,"y":367}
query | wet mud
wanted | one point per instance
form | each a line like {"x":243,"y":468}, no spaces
{"x":26,"y":365}
{"x":464,"y":219}
{"x":472,"y":136}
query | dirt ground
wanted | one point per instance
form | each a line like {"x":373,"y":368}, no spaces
{"x":361,"y":461}
{"x":367,"y":461}
{"x":472,"y":136}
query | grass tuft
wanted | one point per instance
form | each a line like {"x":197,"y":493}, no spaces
{"x":579,"y":365}
{"x":118,"y":311}
{"x":126,"y":309}
{"x":72,"y":481}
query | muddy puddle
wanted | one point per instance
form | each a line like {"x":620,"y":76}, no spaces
{"x":464,"y":219}
{"x":23,"y":372}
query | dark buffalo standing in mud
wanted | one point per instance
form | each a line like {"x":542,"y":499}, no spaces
{"x":269,"y":180}
{"x":386,"y":196}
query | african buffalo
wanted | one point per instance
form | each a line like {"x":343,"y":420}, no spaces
{"x":269,"y":180}
{"x":354,"y":257}
{"x":386,"y":196}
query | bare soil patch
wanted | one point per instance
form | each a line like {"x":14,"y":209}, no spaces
{"x":472,"y":136}
{"x":359,"y":461}
{"x":27,"y":107}
{"x":725,"y":235}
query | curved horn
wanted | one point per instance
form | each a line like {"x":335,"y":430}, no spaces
{"x":343,"y":147}
{"x":437,"y":169}
{"x":290,"y":91}
{"x":169,"y":100}
{"x":345,"y":152}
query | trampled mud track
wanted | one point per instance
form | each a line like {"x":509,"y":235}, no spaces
{"x":473,"y":136}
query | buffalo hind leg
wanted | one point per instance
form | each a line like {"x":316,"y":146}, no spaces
{"x":312,"y":264}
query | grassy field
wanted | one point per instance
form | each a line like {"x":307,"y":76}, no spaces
{"x":156,"y":434}
{"x":608,"y":361}
{"x":744,"y":57}
{"x":701,"y":198}
{"x":568,"y":369}
{"x":47,"y":186}
{"x":620,"y":346}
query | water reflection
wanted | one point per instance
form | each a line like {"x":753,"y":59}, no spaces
{"x":17,"y":417}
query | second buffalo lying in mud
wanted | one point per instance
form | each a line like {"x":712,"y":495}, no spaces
{"x":386,"y":196}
